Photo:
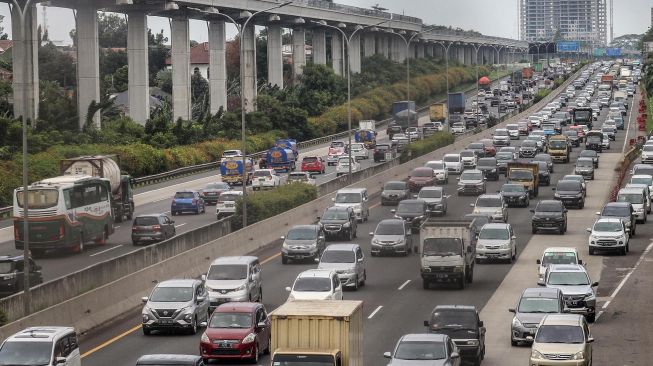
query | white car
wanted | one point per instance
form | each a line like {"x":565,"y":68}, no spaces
{"x":301,"y":177}
{"x":605,"y":144}
{"x":265,"y":178}
{"x":556,"y":255}
{"x":439,"y":170}
{"x":513,"y":131}
{"x":401,"y":139}
{"x":469,"y":158}
{"x":226,"y":204}
{"x":608,"y":234}
{"x":535,"y":120}
{"x":413,"y":133}
{"x":454,"y":163}
{"x":643,"y":179}
{"x":316,"y":284}
{"x":458,"y":127}
{"x":647,"y":153}
{"x":358,"y":151}
{"x":342,"y":167}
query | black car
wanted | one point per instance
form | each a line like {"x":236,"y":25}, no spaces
{"x":545,"y":158}
{"x":413,"y":211}
{"x":478,"y":148}
{"x":489,"y":167}
{"x":503,"y":158}
{"x":623,"y":211}
{"x":384,"y":151}
{"x":545,"y":176}
{"x":212,"y":191}
{"x":12,"y":274}
{"x":572,"y":135}
{"x":515,"y":195}
{"x":590,"y":154}
{"x":549,"y":215}
{"x":339,"y":222}
{"x":152,"y":228}
{"x":528,"y":149}
{"x":462,"y":324}
{"x":570,"y":193}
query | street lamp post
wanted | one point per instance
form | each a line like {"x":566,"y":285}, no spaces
{"x":240,"y":29}
{"x":477,"y":47}
{"x":407,"y":42}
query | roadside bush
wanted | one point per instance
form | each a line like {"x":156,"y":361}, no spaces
{"x":541,"y":94}
{"x":3,"y":318}
{"x":264,"y":204}
{"x":427,"y":145}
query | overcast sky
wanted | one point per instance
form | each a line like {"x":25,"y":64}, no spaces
{"x":490,"y":17}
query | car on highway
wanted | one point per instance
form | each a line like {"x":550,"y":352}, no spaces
{"x":510,"y":149}
{"x":316,"y":284}
{"x":578,"y":178}
{"x":421,"y":177}
{"x":392,"y":130}
{"x":605,"y":142}
{"x":503,"y":159}
{"x":488,"y":147}
{"x":592,"y":154}
{"x":413,"y":211}
{"x":440,"y":170}
{"x":501,"y":137}
{"x":336,"y":149}
{"x":585,"y":167}
{"x":235,"y":278}
{"x":524,"y":128}
{"x":623,"y":211}
{"x":532,"y":307}
{"x":513,"y":131}
{"x":491,"y":205}
{"x":637,"y":198}
{"x":577,"y":288}
{"x":394,"y":191}
{"x":489,"y":167}
{"x":496,"y":241}
{"x":345,"y":163}
{"x":348,"y":261}
{"x":339,"y":222}
{"x":424,"y":349}
{"x":647,"y":154}
{"x":301,"y":177}
{"x":12,"y":274}
{"x":152,"y":228}
{"x":391,"y":236}
{"x":538,"y":141}
{"x":471,"y":182}
{"x":458,"y":128}
{"x":454,"y":163}
{"x":549,"y":215}
{"x":231,"y":154}
{"x":608,"y":234}
{"x":185,"y":201}
{"x":265,"y":178}
{"x":545,"y":158}
{"x":358,"y":151}
{"x":313,"y":164}
{"x":478,"y":148}
{"x":178,"y":304}
{"x":42,"y":345}
{"x":303,"y":242}
{"x":401,"y":140}
{"x":573,"y":137}
{"x":430,"y":128}
{"x":644,"y":179}
{"x":211,"y":192}
{"x":414,"y":134}
{"x":514,"y":195}
{"x":384,"y":152}
{"x":463,"y":324}
{"x":543,"y":173}
{"x":357,"y":199}
{"x":570,"y":193}
{"x":236,"y":331}
{"x":468,"y":158}
{"x":556,"y":255}
{"x":562,"y":337}
{"x":610,"y":131}
{"x":528,"y":149}
{"x":226,"y":204}
{"x":435,"y":198}
{"x":642,"y":169}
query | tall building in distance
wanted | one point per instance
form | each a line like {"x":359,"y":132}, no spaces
{"x":570,"y":20}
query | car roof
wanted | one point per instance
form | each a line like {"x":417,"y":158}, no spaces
{"x":548,"y":202}
{"x":546,"y":292}
{"x":352,"y":190}
{"x":184,"y":282}
{"x":625,"y":204}
{"x":631,"y":190}
{"x":424,"y":337}
{"x":40,"y":334}
{"x":322,"y":273}
{"x":186,"y":191}
{"x":566,"y":268}
{"x":562,"y":319}
{"x":150,"y":215}
{"x":608,"y":219}
{"x":168,"y":359}
{"x":237,"y":307}
{"x":432,"y":189}
{"x":455,"y":307}
{"x":338,"y":208}
{"x":473,"y":171}
{"x":242,"y":259}
{"x":343,"y":247}
{"x":560,"y":250}
{"x":490,"y":195}
{"x":496,"y":225}
{"x":314,"y":227}
{"x":572,"y":177}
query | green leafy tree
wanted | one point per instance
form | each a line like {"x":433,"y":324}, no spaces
{"x":56,"y":66}
{"x":158,"y":52}
{"x":164,"y":80}
{"x":320,"y":89}
{"x":3,"y":35}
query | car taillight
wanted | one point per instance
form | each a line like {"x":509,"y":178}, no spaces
{"x":16,"y":233}
{"x":134,"y":228}
{"x":156,"y":228}
{"x":62,"y":231}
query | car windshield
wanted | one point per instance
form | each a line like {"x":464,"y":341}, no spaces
{"x":475,"y":146}
{"x":558,"y":144}
{"x":504,"y":156}
{"x":588,"y":154}
{"x":338,"y":143}
{"x":394,"y":186}
{"x":558,"y":258}
{"x":262,"y":173}
{"x":642,"y":180}
{"x":313,"y":284}
{"x":227,"y":272}
{"x":568,"y":185}
{"x":560,"y":334}
{"x":441,"y":247}
{"x":172,"y":294}
{"x":487,"y":163}
{"x":435,"y":166}
{"x":538,"y":305}
{"x":229,"y":197}
{"x":568,"y":279}
{"x":529,"y":143}
{"x":184,"y":195}
{"x":422,"y":173}
{"x":488,"y":202}
{"x":231,"y":320}
{"x":302,"y":234}
{"x":467,"y":153}
{"x":309,"y":159}
{"x":520,"y":175}
{"x":25,"y":353}
{"x":430,"y":193}
{"x":146,"y":221}
{"x":575,"y":178}
{"x":410,"y":207}
{"x":453,"y":319}
{"x":494,"y":234}
{"x":512,"y":127}
{"x":452,"y":158}
{"x":390,"y":228}
{"x":335,"y":215}
{"x":634,"y":198}
{"x":548,"y":207}
{"x":348,"y":197}
{"x":571,"y":133}
{"x":414,"y":350}
{"x":471,"y":176}
{"x":513,"y":188}
{"x":217,"y":186}
{"x":619,"y":211}
{"x":613,"y":227}
{"x":641,"y":170}
{"x":338,"y":256}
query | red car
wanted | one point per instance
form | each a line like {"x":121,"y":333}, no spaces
{"x":490,"y":150}
{"x":421,"y":177}
{"x":313,"y":164}
{"x":236,"y":330}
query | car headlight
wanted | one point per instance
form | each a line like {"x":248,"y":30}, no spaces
{"x":346,"y":224}
{"x":285,"y":245}
{"x":516,"y":323}
{"x":505,"y":246}
{"x":458,"y":268}
{"x":472,"y":342}
{"x":205,"y":338}
{"x":350,"y":270}
{"x":589,"y":295}
{"x":578,"y":356}
{"x":146,"y":318}
{"x":9,"y":276}
{"x":536,"y":354}
{"x":461,"y":184}
{"x":375,"y":241}
{"x":251,"y":337}
{"x":241,"y":287}
{"x":480,"y":184}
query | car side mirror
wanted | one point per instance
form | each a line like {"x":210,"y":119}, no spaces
{"x":540,"y":283}
{"x":590,"y":340}
{"x":203,"y":278}
{"x":588,"y":230}
{"x":333,"y":199}
{"x":529,"y":338}
{"x":360,"y":260}
{"x":204,"y":324}
{"x":60,"y":361}
{"x":598,"y":213}
{"x":565,"y":210}
{"x":393,"y":211}
{"x":172,"y":221}
{"x":288,"y":289}
{"x":261,"y":325}
{"x":471,"y":205}
{"x":283,"y":238}
{"x":511,"y":310}
{"x":387,"y":354}
{"x":480,"y":323}
{"x":455,"y":355}
{"x":532,"y":210}
{"x":553,"y":188}
{"x":144,"y":299}
{"x":200,"y":299}
{"x":538,"y":261}
{"x":318,"y":217}
{"x":595,"y":284}
{"x":426,"y":323}
{"x":457,"y":178}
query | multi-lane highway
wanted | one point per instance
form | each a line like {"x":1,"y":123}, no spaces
{"x":394,"y":301}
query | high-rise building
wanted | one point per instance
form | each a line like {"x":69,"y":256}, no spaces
{"x":573,"y":20}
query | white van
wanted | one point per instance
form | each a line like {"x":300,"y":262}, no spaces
{"x":637,"y":198}
{"x":44,"y":345}
{"x":357,"y":199}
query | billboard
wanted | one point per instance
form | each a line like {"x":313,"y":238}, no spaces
{"x":613,"y":51}
{"x":568,"y":46}
{"x":598,"y":52}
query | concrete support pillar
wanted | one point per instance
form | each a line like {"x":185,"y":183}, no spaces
{"x":369,"y":40}
{"x":138,"y":61}
{"x":467,"y":50}
{"x":430,"y":50}
{"x":319,"y":46}
{"x":249,"y":68}
{"x":25,"y":51}
{"x":438,"y":51}
{"x":398,"y":50}
{"x":487,"y":55}
{"x":298,"y":53}
{"x":336,"y":53}
{"x":181,"y":95}
{"x":420,"y":50}
{"x":461,"y":53}
{"x":412,"y":47}
{"x":217,"y":66}
{"x":275,"y":55}
{"x":88,"y":62}
{"x":355,"y":53}
{"x":384,"y":47}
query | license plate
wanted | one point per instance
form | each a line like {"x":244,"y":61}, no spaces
{"x":573,"y":303}
{"x":146,"y":238}
{"x":224,"y":345}
{"x":261,"y":180}
{"x":166,"y":321}
{"x":441,"y":275}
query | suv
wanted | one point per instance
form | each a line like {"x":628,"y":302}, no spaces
{"x":515,"y":195}
{"x":570,"y":193}
{"x":562,"y":337}
{"x":463,"y":325}
{"x":339,"y":221}
{"x":623,"y":211}
{"x":503,"y":159}
{"x":391,"y":236}
{"x":226,"y":204}
{"x":469,"y":159}
{"x":156,"y":227}
{"x":637,"y":199}
{"x":413,"y":212}
{"x":532,"y":307}
{"x":394,"y":191}
{"x":316,"y":284}
{"x":489,"y":168}
{"x":436,"y":200}
{"x":549,"y":215}
{"x":491,"y":205}
{"x":303,"y":242}
{"x":233,"y":279}
{"x":384,"y":152}
{"x":348,"y":261}
{"x":608,"y":234}
{"x":546,"y":158}
{"x":585,"y":167}
{"x":212,"y":191}
{"x":577,"y":289}
{"x":176,"y":304}
{"x":440,"y":170}
{"x":356,"y":198}
{"x":556,"y":255}
{"x":528,"y":149}
{"x":42,"y":345}
{"x":453,"y":163}
{"x":12,"y":274}
{"x":187,"y":201}
{"x":421,"y":177}
{"x":471,"y":181}
{"x":496,"y":241}
{"x":592,"y":155}
{"x":424,"y":349}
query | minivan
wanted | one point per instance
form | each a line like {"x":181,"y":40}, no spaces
{"x":357,"y":199}
{"x":637,"y":198}
{"x":235,"y":278}
{"x":647,"y":192}
{"x":348,"y":261}
{"x":42,"y":345}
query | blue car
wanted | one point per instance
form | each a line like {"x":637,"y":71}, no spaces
{"x":186,"y":201}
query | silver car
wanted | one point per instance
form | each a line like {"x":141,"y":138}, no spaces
{"x":471,"y":182}
{"x":532,"y":307}
{"x":436,"y":200}
{"x":424,"y":349}
{"x":303,"y":242}
{"x":348,"y":261}
{"x":577,"y":290}
{"x":176,"y":304}
{"x":231,"y":279}
{"x":394,"y":191}
{"x":491,"y":205}
{"x":392,"y":236}
{"x":496,"y":241}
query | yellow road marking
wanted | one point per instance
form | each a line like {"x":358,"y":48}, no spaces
{"x":268,"y":259}
{"x":112,"y":340}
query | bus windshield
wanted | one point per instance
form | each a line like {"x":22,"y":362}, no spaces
{"x":39,"y":198}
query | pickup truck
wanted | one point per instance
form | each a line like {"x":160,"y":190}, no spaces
{"x":559,"y":148}
{"x":526,"y":174}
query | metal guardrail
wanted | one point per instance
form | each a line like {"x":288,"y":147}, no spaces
{"x":5,"y":212}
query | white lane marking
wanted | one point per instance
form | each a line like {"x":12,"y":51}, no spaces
{"x":598,"y":315}
{"x":605,"y":306}
{"x":117,"y":227}
{"x":106,"y":250}
{"x":217,"y":177}
{"x":630,"y":118}
{"x":166,"y":212}
{"x":625,"y":279}
{"x":176,"y":226}
{"x":375,"y":311}
{"x":403,"y":285}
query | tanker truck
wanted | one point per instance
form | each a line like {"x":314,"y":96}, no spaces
{"x":108,"y":167}
{"x":281,"y":159}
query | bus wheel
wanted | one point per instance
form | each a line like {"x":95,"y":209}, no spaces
{"x":79,"y":248}
{"x":102,"y":240}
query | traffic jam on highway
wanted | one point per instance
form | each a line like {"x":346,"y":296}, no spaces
{"x":393,"y":262}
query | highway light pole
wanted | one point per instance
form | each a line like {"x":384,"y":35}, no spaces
{"x":476,"y":48}
{"x":240,"y":29}
{"x":407,"y":42}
